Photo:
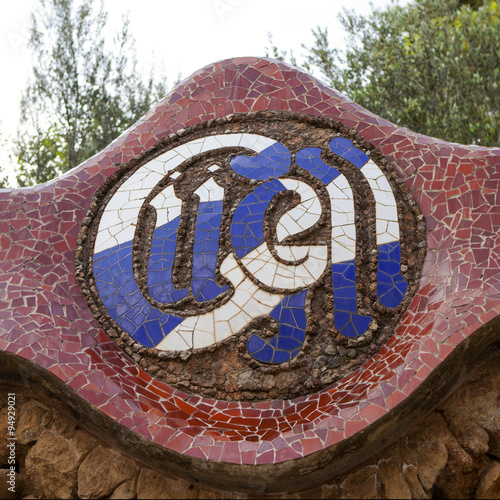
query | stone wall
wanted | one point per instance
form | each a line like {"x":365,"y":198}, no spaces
{"x":454,"y":452}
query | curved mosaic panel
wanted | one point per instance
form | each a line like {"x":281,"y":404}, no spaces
{"x":235,"y":241}
{"x":49,"y":332}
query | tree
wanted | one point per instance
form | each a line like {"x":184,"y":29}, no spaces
{"x":432,"y":66}
{"x":81,"y":95}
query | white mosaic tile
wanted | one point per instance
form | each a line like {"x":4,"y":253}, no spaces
{"x":343,"y":227}
{"x":202,"y":339}
{"x":165,"y":157}
{"x":386,"y":208}
{"x":210,"y":191}
{"x":393,"y":230}
{"x":195,"y":146}
{"x":248,"y":302}
{"x":304,"y":215}
{"x":185,"y":151}
{"x":263,"y":266}
{"x":220,"y":141}
{"x":291,"y":253}
{"x":175,"y":342}
{"x":167,"y":205}
{"x":256,"y":142}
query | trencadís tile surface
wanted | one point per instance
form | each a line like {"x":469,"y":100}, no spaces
{"x":258,"y":270}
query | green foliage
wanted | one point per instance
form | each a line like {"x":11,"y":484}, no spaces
{"x":432,"y":66}
{"x":81,"y":95}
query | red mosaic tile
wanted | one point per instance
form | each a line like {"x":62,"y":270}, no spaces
{"x":266,"y":458}
{"x":394,"y":399}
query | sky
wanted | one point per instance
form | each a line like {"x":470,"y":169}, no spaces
{"x":177,"y":37}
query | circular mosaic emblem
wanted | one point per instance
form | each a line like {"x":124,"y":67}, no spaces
{"x":258,"y":256}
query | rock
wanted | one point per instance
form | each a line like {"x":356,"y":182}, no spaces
{"x":461,"y":474}
{"x":311,"y":494}
{"x":220,"y":495}
{"x":156,"y":484}
{"x":334,"y":362}
{"x":469,"y":434}
{"x":268,"y":382}
{"x":284,"y":380}
{"x":480,"y":396}
{"x":391,"y":479}
{"x":484,"y":405}
{"x":27,"y":488}
{"x":361,"y":484}
{"x":34,"y":419}
{"x":489,"y":484}
{"x":102,"y":471}
{"x":410,"y":473}
{"x":84,"y":441}
{"x":63,"y":425}
{"x":125,"y":490}
{"x":330,"y":492}
{"x":4,"y":451}
{"x":425,"y":449}
{"x":247,"y":380}
{"x":482,"y":399}
{"x":331,"y":350}
{"x":494,"y":444}
{"x":52,"y":465}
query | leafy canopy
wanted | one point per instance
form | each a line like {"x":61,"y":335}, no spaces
{"x":432,"y":66}
{"x":81,"y":94}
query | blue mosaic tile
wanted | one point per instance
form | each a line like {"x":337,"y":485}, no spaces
{"x":141,"y":336}
{"x":248,"y":219}
{"x":206,"y":250}
{"x":310,"y":159}
{"x":255,"y":343}
{"x":160,"y":264}
{"x":154,"y":331}
{"x":391,"y":286}
{"x":265,"y":354}
{"x":280,"y":357}
{"x":271,"y":162}
{"x":288,"y":342}
{"x":347,"y":320}
{"x":344,"y":147}
{"x":120,"y":294}
{"x":205,"y":254}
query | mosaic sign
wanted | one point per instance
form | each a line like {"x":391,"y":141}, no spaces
{"x":263,"y":256}
{"x":250,"y":281}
